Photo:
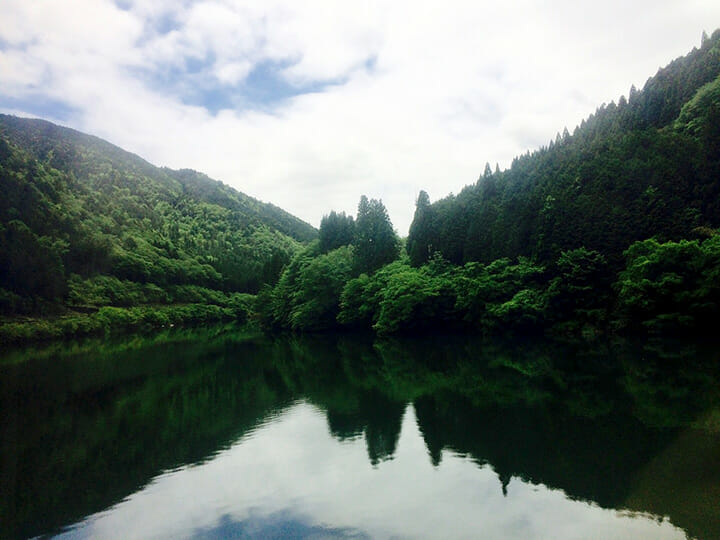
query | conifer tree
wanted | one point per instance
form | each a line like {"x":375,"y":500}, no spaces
{"x":375,"y":240}
{"x":419,"y":239}
{"x":488,"y":171}
{"x":336,"y":230}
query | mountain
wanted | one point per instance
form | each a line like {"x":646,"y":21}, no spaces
{"x":611,"y":229}
{"x":80,"y":216}
{"x":646,"y":166}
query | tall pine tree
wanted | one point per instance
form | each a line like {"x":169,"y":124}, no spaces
{"x":419,"y":243}
{"x":376,"y":243}
{"x":336,"y":230}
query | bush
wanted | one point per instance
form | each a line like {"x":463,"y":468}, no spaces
{"x":671,"y":286}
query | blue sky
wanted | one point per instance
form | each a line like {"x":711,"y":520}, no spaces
{"x":311,"y":104}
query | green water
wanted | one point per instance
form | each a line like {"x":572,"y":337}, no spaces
{"x":210,"y":434}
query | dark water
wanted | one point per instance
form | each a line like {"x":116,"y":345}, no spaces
{"x":208,"y":434}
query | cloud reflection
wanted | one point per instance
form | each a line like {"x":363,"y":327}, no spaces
{"x":294,"y":467}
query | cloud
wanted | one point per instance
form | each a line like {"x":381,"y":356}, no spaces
{"x":309,"y":105}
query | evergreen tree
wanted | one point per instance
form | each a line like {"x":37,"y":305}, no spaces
{"x":419,"y":244}
{"x":488,"y":171}
{"x":336,"y":230}
{"x":375,"y":240}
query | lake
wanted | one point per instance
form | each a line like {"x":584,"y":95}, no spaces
{"x":212,"y":433}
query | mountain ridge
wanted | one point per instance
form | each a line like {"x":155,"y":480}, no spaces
{"x":19,"y":129}
{"x":624,"y":163}
{"x":85,"y":222}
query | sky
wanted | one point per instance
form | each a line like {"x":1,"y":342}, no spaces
{"x":311,"y":104}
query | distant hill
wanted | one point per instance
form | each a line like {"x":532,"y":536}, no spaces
{"x":646,"y":166}
{"x":78,"y":210}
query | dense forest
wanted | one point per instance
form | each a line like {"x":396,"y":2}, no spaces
{"x":85,"y":225}
{"x":610,"y":228}
{"x":646,"y":166}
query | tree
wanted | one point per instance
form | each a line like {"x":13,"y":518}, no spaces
{"x":376,"y":243}
{"x":316,"y":296}
{"x":488,"y":171}
{"x":419,"y":243}
{"x":30,"y":265}
{"x":336,"y":230}
{"x":579,"y":295}
{"x":671,"y":286}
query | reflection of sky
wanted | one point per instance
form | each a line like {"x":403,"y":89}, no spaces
{"x":290,"y":478}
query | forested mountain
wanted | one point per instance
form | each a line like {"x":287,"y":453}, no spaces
{"x":83,"y":222}
{"x":612,"y":228}
{"x":646,"y":166}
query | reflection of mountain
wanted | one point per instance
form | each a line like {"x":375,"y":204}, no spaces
{"x":683,"y":482}
{"x":82,"y":431}
{"x":589,"y":459}
{"x":632,"y":446}
{"x":85,"y":427}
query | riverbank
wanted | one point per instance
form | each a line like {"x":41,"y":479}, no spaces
{"x":116,"y":320}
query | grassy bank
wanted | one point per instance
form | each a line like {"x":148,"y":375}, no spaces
{"x":116,"y":320}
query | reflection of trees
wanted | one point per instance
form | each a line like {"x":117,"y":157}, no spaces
{"x":384,"y":419}
{"x":604,"y":424}
{"x":344,"y":425}
{"x":349,"y":383}
{"x":590,"y":459}
{"x":379,"y":418}
{"x":430,"y":424}
{"x":555,"y":415}
{"x":90,"y":426}
{"x":649,"y":444}
{"x":673,"y":384}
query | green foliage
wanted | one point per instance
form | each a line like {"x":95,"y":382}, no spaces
{"x":109,"y":290}
{"x":700,"y":113}
{"x":307,"y":296}
{"x":526,"y":310}
{"x":375,"y":242}
{"x":31,"y":265}
{"x":74,"y":205}
{"x":580,"y":293}
{"x":116,"y":320}
{"x":315,"y":302}
{"x":670,"y":286}
{"x":361,"y":296}
{"x":644,"y":167}
{"x":12,"y":303}
{"x":320,"y":289}
{"x":503,"y":295}
{"x":419,"y":247}
{"x":414,"y":299}
{"x":336,"y":230}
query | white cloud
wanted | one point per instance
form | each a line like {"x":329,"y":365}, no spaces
{"x":232,"y":72}
{"x":424,"y":93}
{"x":21,"y":71}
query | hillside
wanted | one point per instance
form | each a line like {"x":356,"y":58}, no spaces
{"x":85,"y":223}
{"x":646,"y":166}
{"x":610,"y":229}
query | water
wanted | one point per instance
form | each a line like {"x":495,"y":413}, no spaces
{"x":209,"y":434}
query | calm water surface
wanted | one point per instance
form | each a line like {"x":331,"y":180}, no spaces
{"x":209,"y":434}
